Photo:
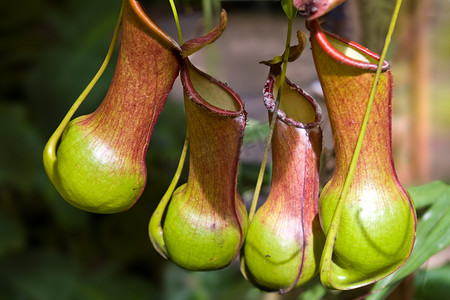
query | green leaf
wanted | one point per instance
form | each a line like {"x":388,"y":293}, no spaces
{"x":427,"y":194}
{"x":289,"y":9}
{"x":433,"y":235}
{"x":432,"y":283}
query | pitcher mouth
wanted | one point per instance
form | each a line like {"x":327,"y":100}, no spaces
{"x":232,"y":106}
{"x":269,"y":102}
{"x":358,"y":56}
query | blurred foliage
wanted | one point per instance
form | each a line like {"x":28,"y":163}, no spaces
{"x":49,"y":50}
{"x":433,"y":283}
{"x":375,"y":19}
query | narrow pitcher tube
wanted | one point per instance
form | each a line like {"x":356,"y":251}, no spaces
{"x":284,"y":241}
{"x":206,"y":221}
{"x":376,"y":229}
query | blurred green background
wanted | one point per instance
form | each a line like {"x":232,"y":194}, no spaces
{"x":49,"y":51}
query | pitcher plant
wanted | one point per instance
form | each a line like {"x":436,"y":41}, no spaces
{"x":99,"y":165}
{"x":206,"y":219}
{"x":376,"y":229}
{"x":284,"y":241}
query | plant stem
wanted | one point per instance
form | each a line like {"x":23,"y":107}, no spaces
{"x":49,"y":155}
{"x":207,"y":14}
{"x":177,"y":21}
{"x":332,"y":231}
{"x":272,"y":123}
{"x":155,"y":230}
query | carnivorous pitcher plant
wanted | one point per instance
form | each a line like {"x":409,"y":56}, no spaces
{"x":376,"y":228}
{"x":99,"y":165}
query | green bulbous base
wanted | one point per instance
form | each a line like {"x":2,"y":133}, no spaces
{"x":273,"y":261}
{"x":278,"y":258}
{"x":199,"y":237}
{"x":375,"y":235}
{"x":91,"y":176}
